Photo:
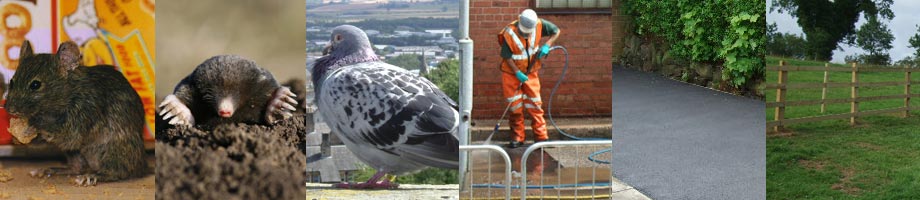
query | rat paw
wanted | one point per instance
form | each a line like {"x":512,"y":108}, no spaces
{"x":86,"y":180}
{"x":173,"y":108}
{"x":282,"y":103}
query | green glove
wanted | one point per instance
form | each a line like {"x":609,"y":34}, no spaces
{"x":544,"y":51}
{"x":521,"y":76}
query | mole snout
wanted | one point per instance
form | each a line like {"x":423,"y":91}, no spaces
{"x":225,"y":108}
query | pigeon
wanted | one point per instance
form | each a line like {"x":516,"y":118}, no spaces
{"x":394,"y":121}
{"x":228,"y":89}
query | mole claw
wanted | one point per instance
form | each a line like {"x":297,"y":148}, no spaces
{"x":289,"y":107}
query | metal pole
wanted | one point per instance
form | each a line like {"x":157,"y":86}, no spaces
{"x":466,"y":83}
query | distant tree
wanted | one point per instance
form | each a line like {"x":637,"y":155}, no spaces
{"x":827,"y":23}
{"x":785,"y":44}
{"x":447,"y":77}
{"x":377,"y":51}
{"x":909,"y":61}
{"x":915,"y":43}
{"x":875,"y":38}
{"x":771,"y":31}
{"x":852,"y":59}
{"x":406,"y":61}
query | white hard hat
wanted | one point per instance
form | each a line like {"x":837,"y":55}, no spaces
{"x":528,"y":21}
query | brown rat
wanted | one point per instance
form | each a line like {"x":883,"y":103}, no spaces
{"x":227,"y":89}
{"x":91,"y":113}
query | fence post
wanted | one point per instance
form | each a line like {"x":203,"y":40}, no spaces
{"x":780,"y":111}
{"x":906,"y":91}
{"x":824,"y":89}
{"x":854,"y":93}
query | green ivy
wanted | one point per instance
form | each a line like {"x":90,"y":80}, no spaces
{"x":730,"y":32}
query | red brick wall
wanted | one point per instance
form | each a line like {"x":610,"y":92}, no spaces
{"x":589,"y":38}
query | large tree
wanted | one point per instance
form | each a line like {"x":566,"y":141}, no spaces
{"x":826,"y":23}
{"x":875,"y":38}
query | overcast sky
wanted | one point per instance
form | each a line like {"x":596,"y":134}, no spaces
{"x":904,"y":25}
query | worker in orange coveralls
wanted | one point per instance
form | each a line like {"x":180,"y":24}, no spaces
{"x":521,"y":54}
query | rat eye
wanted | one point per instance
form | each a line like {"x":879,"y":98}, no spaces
{"x":35,"y":85}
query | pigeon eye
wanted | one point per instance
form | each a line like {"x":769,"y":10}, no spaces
{"x":35,"y":85}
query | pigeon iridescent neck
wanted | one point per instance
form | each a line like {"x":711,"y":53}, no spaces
{"x":334,"y":61}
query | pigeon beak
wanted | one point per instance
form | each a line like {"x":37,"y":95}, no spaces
{"x":225,"y":108}
{"x":327,"y":48}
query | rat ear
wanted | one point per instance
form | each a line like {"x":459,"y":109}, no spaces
{"x":69,"y":55}
{"x":25,"y":50}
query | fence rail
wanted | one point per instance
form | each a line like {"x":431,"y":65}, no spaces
{"x":782,"y":85}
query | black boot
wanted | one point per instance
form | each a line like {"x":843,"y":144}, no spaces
{"x":515,"y":144}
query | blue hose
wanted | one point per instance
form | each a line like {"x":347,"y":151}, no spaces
{"x":549,"y":110}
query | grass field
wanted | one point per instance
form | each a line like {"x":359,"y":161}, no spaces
{"x":877,"y":159}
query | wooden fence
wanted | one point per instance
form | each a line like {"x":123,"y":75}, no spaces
{"x":782,"y":84}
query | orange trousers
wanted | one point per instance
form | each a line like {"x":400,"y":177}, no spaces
{"x":527,"y":98}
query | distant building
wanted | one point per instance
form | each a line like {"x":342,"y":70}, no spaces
{"x":404,"y":29}
{"x":372,"y":32}
{"x":321,"y":43}
{"x":403,"y":33}
{"x":418,"y":50}
{"x":445,"y":33}
{"x":381,"y":46}
{"x":372,"y":1}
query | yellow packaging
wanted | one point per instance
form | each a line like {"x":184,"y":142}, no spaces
{"x":112,"y":32}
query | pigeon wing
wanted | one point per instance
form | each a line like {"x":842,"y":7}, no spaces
{"x":388,"y":108}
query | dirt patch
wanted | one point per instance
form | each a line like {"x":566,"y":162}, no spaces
{"x":233,"y":161}
{"x":5,"y":175}
{"x":783,"y":132}
{"x":868,"y":146}
{"x":846,"y":185}
{"x":811,"y":164}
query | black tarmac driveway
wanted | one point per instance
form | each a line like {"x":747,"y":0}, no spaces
{"x":674,"y":140}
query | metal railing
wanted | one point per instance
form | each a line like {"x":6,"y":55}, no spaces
{"x":541,"y":145}
{"x":500,"y":151}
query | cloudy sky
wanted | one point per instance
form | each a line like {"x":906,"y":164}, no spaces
{"x":904,"y":24}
